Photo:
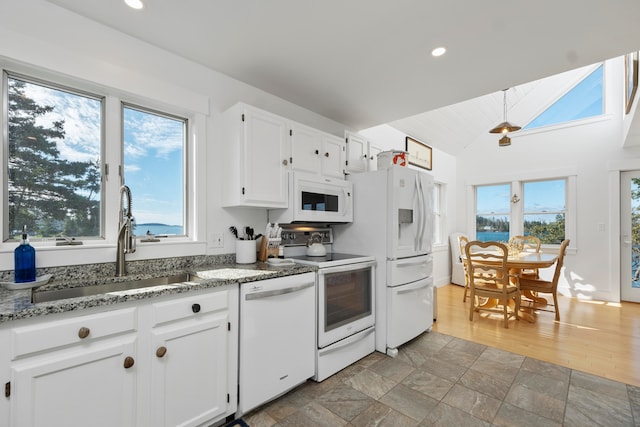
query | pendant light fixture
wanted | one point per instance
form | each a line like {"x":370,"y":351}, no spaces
{"x":505,"y":127}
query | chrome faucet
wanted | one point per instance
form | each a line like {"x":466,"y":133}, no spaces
{"x":126,"y":238}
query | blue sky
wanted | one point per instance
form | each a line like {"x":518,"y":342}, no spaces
{"x":152,"y":156}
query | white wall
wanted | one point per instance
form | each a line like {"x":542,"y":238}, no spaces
{"x":443,"y":172}
{"x":37,"y":34}
{"x":594,"y":151}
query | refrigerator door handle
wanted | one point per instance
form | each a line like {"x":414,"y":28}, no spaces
{"x":413,"y":288}
{"x":416,"y":238}
{"x":425,"y":214}
{"x":421,"y":213}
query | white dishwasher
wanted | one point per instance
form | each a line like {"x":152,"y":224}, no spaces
{"x":277,"y":337}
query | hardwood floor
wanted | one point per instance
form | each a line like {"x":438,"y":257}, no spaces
{"x":596,"y":337}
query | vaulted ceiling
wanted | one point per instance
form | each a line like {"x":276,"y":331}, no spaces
{"x":367,"y":62}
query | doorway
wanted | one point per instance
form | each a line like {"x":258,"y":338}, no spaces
{"x":630,"y":231}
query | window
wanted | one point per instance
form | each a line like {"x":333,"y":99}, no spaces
{"x":545,"y":209}
{"x":64,"y":144}
{"x":53,"y":168}
{"x":541,"y":210}
{"x":438,"y":214}
{"x":493,"y":212}
{"x":584,"y":100}
{"x":154,"y":169}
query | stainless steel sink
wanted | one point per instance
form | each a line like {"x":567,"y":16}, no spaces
{"x":83,"y":291}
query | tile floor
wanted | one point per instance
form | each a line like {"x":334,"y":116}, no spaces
{"x":439,"y":380}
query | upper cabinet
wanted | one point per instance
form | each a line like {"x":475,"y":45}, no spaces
{"x":316,"y":152}
{"x":372,"y":152}
{"x":361,"y":155}
{"x":357,"y":156}
{"x":260,"y":148}
{"x":257,"y":156}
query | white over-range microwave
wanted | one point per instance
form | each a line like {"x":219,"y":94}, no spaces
{"x":314,"y":198}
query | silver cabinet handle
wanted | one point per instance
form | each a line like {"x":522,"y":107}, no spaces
{"x":283,"y":291}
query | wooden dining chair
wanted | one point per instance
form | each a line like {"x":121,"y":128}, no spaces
{"x":489,"y":277}
{"x":529,"y":244}
{"x":544,"y":286}
{"x":462,"y":242}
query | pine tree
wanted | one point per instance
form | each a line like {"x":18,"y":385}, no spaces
{"x":47,"y":193}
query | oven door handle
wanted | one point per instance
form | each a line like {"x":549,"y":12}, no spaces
{"x":276,"y":292}
{"x":348,"y":267}
{"x":413,"y":288}
{"x":347,"y":341}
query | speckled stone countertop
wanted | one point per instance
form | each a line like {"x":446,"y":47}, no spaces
{"x":16,"y":304}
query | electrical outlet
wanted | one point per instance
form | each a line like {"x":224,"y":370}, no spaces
{"x":216,"y":240}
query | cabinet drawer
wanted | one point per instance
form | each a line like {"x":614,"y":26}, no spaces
{"x":50,"y":335}
{"x":176,"y":309}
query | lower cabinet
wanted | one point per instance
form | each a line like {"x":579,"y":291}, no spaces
{"x":190,"y":362}
{"x":76,"y":387}
{"x":172,"y":362}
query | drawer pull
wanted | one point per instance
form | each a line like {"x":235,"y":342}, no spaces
{"x":83,"y":332}
{"x":195,"y":308}
{"x":161,"y":351}
{"x":128,"y":362}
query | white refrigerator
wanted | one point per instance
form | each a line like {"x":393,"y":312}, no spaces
{"x":393,"y":221}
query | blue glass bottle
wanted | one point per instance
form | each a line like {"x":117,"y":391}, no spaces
{"x":24,"y":258}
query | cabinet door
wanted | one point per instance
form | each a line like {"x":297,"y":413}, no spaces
{"x":356,"y":153}
{"x":265,"y":159}
{"x":373,"y":157}
{"x":189,"y":371}
{"x":333,"y":156}
{"x":79,"y":386}
{"x":306,"y":146}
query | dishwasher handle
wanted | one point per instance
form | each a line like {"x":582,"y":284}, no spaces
{"x":276,"y":292}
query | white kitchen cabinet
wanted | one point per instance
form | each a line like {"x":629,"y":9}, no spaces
{"x":316,"y":151}
{"x":75,"y":371}
{"x":163,"y":362}
{"x":372,"y":153}
{"x":256,"y":155}
{"x":191,"y":343}
{"x":357,"y":155}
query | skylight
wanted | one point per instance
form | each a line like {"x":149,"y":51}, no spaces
{"x":584,"y":100}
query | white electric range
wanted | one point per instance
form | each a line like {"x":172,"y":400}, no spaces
{"x":345,"y":299}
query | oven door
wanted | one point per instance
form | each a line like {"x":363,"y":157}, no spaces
{"x":346,"y":296}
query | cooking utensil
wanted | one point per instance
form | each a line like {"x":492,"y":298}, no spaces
{"x":315,"y":246}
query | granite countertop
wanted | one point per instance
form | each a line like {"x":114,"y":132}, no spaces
{"x":16,"y":304}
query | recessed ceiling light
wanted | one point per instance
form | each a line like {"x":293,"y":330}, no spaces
{"x":134,"y":4}
{"x":439,"y":51}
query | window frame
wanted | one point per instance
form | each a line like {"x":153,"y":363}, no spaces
{"x":53,"y":85}
{"x":439,"y":215}
{"x":516,"y":225}
{"x":185,"y":155}
{"x":94,"y":249}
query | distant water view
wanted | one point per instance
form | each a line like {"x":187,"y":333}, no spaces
{"x":493,"y":236}
{"x":156,"y":229}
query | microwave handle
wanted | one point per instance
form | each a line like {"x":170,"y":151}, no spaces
{"x":347,"y":206}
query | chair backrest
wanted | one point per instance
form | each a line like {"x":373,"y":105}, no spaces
{"x":462,"y":242}
{"x":487,"y":263}
{"x":560,"y":262}
{"x":529,"y":243}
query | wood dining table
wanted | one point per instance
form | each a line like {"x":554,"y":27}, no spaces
{"x":524,"y":261}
